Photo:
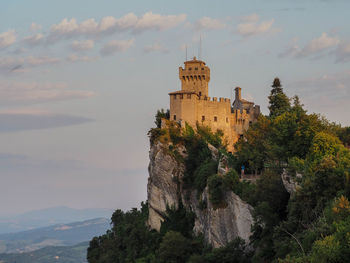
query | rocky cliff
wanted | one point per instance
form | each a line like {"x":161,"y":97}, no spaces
{"x":219,"y":226}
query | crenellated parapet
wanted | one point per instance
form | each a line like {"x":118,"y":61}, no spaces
{"x":195,"y":76}
{"x":193,"y":105}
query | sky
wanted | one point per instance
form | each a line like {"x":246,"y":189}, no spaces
{"x":80,"y":82}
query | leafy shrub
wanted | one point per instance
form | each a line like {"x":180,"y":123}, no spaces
{"x":161,"y":114}
{"x":216,"y":190}
{"x":202,"y":173}
{"x":178,"y":220}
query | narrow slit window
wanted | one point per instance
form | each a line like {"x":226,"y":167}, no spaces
{"x":174,"y":117}
{"x":203,"y":118}
{"x":215,"y":118}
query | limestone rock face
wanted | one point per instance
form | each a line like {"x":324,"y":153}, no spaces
{"x":289,"y":182}
{"x":219,"y":226}
{"x":162,"y":187}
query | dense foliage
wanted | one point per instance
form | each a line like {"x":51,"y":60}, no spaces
{"x":310,"y":225}
{"x":130,"y":240}
{"x":297,"y":228}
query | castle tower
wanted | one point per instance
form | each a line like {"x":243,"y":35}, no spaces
{"x":238,"y":93}
{"x":195,"y":77}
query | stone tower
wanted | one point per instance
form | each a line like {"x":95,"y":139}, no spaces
{"x":192,"y":105}
{"x":195,"y":77}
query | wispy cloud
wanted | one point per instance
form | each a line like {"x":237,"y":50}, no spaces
{"x":34,"y":40}
{"x":77,"y":58}
{"x":342,"y":52}
{"x":115,"y":46}
{"x":318,"y":45}
{"x":327,"y":90}
{"x":34,"y":92}
{"x":321,"y":46}
{"x":7,"y":38}
{"x":82,"y":45}
{"x":250,"y":26}
{"x":15,"y":122}
{"x":208,"y":23}
{"x":35,"y":27}
{"x":68,"y":28}
{"x":156,"y":47}
{"x":11,"y":64}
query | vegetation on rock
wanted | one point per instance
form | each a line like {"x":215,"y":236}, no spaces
{"x":311,"y":225}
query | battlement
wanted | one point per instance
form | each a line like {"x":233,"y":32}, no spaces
{"x":192,"y":104}
{"x":253,"y":112}
{"x":191,"y":95}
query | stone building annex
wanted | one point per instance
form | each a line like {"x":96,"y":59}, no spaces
{"x":192,"y":104}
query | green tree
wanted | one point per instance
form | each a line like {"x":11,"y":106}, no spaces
{"x":174,"y":248}
{"x":216,"y":190}
{"x":161,"y":114}
{"x":255,"y":148}
{"x":278,"y":100}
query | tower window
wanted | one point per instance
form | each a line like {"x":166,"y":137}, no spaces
{"x":215,"y":118}
{"x":189,"y":68}
{"x":181,"y":96}
{"x":195,"y":68}
{"x":174,"y":117}
{"x":200,"y":93}
{"x":226,"y":119}
{"x":202,"y":68}
{"x":203,"y":118}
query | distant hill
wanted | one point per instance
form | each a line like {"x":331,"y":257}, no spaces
{"x":52,"y":254}
{"x":56,"y":235}
{"x":50,"y":216}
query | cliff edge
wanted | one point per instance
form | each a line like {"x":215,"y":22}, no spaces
{"x":165,"y":188}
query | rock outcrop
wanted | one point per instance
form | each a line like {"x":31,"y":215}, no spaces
{"x":219,"y":226}
{"x":289,"y":182}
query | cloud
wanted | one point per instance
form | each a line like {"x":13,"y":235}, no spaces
{"x":116,"y":46}
{"x":342,"y":52}
{"x":150,"y":21}
{"x":10,"y":64}
{"x":15,"y":122}
{"x":35,"y":27}
{"x":250,"y":26}
{"x":68,"y":28}
{"x":208,"y":23}
{"x":318,"y":45}
{"x":327,"y":90}
{"x":7,"y":38}
{"x":291,"y":50}
{"x":34,"y":92}
{"x":156,"y":47}
{"x":82,"y":45}
{"x":34,"y":40}
{"x":252,"y":18}
{"x":77,"y":58}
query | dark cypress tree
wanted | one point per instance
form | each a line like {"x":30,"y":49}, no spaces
{"x":278,"y":100}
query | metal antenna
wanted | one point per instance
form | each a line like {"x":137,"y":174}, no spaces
{"x":200,"y":47}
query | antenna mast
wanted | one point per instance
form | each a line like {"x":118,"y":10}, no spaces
{"x":200,"y":47}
